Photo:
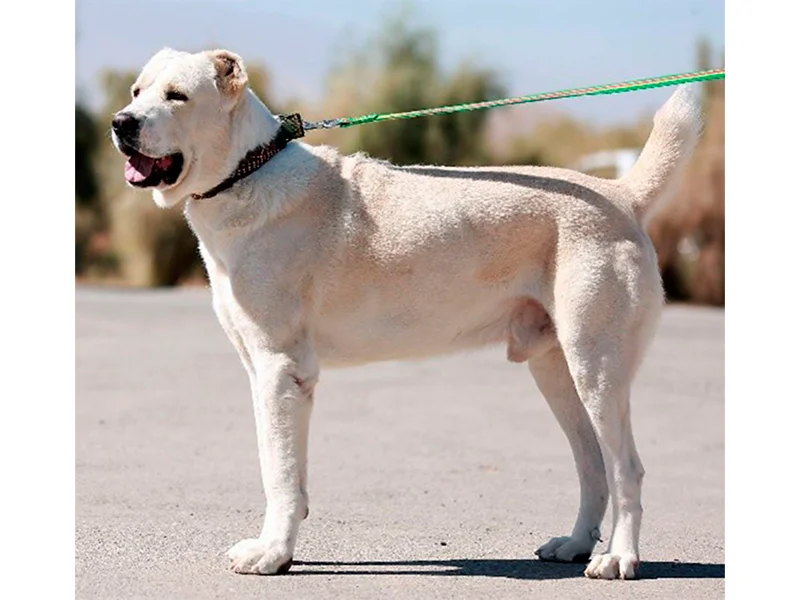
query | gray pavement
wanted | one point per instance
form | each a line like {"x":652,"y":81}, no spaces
{"x":432,"y":479}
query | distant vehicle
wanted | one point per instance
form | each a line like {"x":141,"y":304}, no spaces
{"x":608,"y":163}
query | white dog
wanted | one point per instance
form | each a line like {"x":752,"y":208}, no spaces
{"x":320,"y":259}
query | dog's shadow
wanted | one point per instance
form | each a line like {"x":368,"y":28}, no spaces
{"x":508,"y":568}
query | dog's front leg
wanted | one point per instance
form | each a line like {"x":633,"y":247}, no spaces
{"x":283,"y":386}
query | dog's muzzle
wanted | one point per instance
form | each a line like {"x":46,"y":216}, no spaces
{"x":142,"y":170}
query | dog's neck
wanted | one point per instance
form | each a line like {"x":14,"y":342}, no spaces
{"x":252,"y":124}
{"x":264,"y":195}
{"x":291,"y":129}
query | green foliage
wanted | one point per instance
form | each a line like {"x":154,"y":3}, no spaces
{"x":260,"y":82}
{"x":398,"y":70}
{"x":86,"y":141}
{"x":88,"y":211}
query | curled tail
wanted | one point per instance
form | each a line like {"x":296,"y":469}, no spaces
{"x":658,"y":171}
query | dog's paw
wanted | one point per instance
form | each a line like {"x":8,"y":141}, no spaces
{"x":260,"y":557}
{"x":612,"y":566}
{"x":566,"y":549}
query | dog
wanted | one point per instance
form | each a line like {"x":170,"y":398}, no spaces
{"x":318,"y":259}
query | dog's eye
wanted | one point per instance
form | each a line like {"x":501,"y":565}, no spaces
{"x":135,"y":92}
{"x":176,"y":96}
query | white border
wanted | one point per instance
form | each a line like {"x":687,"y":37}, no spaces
{"x":37,"y":424}
{"x":763,"y":229}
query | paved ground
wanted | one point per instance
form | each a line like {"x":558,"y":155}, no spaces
{"x":439,"y":486}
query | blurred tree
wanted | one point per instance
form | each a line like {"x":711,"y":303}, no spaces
{"x":87,"y":207}
{"x":261,"y":83}
{"x":116,"y":86}
{"x":86,"y":141}
{"x":561,"y":139}
{"x":398,"y":70}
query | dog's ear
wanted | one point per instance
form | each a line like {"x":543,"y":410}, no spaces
{"x":231,"y":76}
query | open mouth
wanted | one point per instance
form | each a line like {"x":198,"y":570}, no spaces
{"x":146,"y":171}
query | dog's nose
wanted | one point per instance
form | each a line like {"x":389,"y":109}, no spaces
{"x":125,"y":123}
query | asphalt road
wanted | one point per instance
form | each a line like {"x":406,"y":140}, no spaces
{"x":434,"y":479}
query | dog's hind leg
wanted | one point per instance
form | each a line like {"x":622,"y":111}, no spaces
{"x":607,"y":404}
{"x":605,"y":317}
{"x":555,"y":382}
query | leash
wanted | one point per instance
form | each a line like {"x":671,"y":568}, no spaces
{"x":293,"y":126}
{"x":597,"y":90}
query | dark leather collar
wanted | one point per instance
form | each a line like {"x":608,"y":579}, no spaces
{"x":291,"y":128}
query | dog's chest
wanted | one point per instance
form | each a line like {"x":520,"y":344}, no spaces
{"x":228,"y":311}
{"x":218,"y":256}
{"x":224,"y":305}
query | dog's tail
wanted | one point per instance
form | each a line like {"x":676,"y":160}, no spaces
{"x":658,"y":171}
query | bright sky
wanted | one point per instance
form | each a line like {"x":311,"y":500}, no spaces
{"x":536,"y":45}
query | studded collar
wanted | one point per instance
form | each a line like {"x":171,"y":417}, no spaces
{"x":291,"y":128}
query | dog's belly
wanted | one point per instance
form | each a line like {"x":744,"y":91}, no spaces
{"x":388,"y":325}
{"x":365,"y":336}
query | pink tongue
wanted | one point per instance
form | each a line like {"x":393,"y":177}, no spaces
{"x":139,"y":167}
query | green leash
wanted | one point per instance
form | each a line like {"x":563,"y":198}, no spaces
{"x":293,"y":126}
{"x":610,"y":88}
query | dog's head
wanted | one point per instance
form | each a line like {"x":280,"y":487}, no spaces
{"x":175,"y":132}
